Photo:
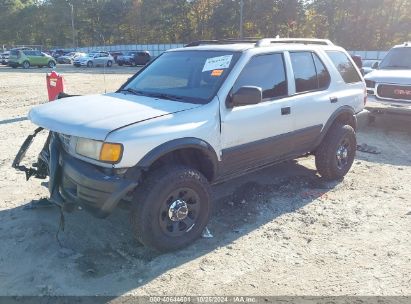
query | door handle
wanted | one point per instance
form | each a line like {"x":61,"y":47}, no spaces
{"x":285,"y":111}
{"x":333,"y":99}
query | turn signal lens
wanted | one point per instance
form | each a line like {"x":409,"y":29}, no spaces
{"x":111,"y":152}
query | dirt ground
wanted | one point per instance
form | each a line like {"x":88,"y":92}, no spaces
{"x":281,"y":231}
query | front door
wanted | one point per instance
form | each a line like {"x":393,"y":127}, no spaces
{"x":254,"y":135}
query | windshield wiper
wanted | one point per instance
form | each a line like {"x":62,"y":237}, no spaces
{"x":132,"y":91}
{"x":165,"y":96}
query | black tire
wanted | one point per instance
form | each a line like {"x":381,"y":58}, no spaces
{"x":26,"y":65}
{"x":90,"y":64}
{"x":109,"y":63}
{"x":336,"y":153}
{"x":51,"y":64}
{"x":171,"y":208}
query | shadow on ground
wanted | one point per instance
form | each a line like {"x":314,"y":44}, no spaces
{"x":104,"y":254}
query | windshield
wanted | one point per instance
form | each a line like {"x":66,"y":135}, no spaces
{"x":187,"y":76}
{"x":398,"y":58}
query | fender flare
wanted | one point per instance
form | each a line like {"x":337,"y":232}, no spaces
{"x":179,"y":144}
{"x":342,"y":110}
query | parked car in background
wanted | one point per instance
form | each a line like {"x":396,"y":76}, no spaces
{"x":94,"y":59}
{"x":142,"y":58}
{"x":389,"y":85}
{"x":127,"y":58}
{"x":4,"y":57}
{"x":28,"y":58}
{"x":69,"y":58}
{"x":58,"y":53}
{"x":134,"y":58}
{"x":116,"y":54}
{"x":369,"y":65}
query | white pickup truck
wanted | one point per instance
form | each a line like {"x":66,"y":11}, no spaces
{"x":196,"y":116}
{"x":389,"y":86}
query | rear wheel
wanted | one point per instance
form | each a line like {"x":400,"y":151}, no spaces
{"x":109,"y":63}
{"x":171,"y":208}
{"x":90,"y":64}
{"x":51,"y":64}
{"x":26,"y":64}
{"x":335,"y":155}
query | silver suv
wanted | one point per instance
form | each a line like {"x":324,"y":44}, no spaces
{"x":196,"y":116}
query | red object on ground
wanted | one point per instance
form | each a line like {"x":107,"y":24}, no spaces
{"x":54,"y":85}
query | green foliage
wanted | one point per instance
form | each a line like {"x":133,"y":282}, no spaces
{"x":354,"y":24}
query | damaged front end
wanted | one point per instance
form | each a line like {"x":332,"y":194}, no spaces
{"x":47,"y":164}
{"x":75,"y":182}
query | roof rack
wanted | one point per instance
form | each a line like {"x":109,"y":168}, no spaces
{"x":269,"y":41}
{"x":223,"y":41}
{"x":262,"y":42}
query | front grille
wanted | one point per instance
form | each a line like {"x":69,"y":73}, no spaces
{"x":395,"y":92}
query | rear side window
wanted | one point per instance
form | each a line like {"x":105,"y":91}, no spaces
{"x":344,"y":66}
{"x":266,"y":72}
{"x":309,"y":72}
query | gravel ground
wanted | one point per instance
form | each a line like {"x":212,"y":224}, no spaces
{"x":281,"y":231}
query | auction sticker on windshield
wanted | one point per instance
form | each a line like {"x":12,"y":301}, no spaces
{"x":215,"y":63}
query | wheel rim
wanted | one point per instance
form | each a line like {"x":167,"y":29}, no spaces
{"x":26,"y":65}
{"x":51,"y":64}
{"x":109,"y":64}
{"x":343,"y":153}
{"x":179,"y":212}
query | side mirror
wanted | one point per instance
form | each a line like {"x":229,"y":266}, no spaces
{"x":247,"y":95}
{"x":375,"y":65}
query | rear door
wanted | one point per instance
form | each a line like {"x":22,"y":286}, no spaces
{"x":311,"y":104}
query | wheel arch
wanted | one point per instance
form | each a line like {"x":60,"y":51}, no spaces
{"x":344,"y":115}
{"x":188,"y":151}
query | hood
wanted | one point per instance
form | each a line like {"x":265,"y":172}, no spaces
{"x":402,"y":77}
{"x":96,"y":116}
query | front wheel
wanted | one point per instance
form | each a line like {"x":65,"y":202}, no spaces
{"x":51,"y":64}
{"x":171,"y":208}
{"x":26,"y":65}
{"x":335,"y":155}
{"x":90,"y":64}
{"x":109,"y":63}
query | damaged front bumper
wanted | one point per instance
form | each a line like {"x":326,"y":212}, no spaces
{"x":73,"y":181}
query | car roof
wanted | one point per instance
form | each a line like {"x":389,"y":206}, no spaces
{"x":405,"y":44}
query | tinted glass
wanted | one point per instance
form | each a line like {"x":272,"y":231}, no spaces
{"x":323,"y":76}
{"x":344,"y":66}
{"x":305,"y":73}
{"x":266,"y":72}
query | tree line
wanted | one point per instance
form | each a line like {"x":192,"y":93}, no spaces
{"x":353,"y":24}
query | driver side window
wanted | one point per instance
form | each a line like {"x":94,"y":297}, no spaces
{"x":266,"y":72}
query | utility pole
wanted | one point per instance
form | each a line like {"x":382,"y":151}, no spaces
{"x":241,"y":18}
{"x":72,"y":25}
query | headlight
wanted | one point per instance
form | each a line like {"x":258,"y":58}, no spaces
{"x":98,"y":150}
